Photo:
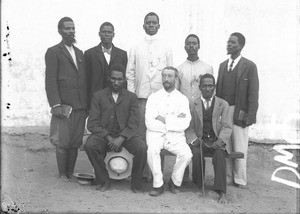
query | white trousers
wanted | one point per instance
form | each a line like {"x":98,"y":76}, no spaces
{"x":236,"y":168}
{"x":183,"y":154}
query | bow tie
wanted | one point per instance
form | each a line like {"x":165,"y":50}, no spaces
{"x":104,"y":50}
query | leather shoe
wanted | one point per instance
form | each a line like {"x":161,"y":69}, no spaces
{"x":173,"y":188}
{"x":157,"y":191}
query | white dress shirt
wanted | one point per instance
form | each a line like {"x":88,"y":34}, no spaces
{"x":107,"y":55}
{"x":170,"y":106}
{"x":145,"y":63}
{"x":73,"y":55}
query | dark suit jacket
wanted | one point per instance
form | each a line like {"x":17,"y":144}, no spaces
{"x":246,"y":91}
{"x":102,"y":112}
{"x":221,"y":122}
{"x":65,"y":84}
{"x":97,"y":68}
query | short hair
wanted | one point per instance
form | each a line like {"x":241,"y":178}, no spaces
{"x":62,"y":20}
{"x":193,"y":35}
{"x":151,"y":14}
{"x":107,"y":24}
{"x":207,"y":75}
{"x":241,"y":38}
{"x":173,"y":69}
{"x":117,"y":67}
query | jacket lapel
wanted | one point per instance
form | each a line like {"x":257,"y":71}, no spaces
{"x":198,"y":107}
{"x":241,"y":68}
{"x":216,"y":107}
{"x":100,"y":54}
{"x":113,"y":54}
{"x":78,"y":57}
{"x":67,"y":54}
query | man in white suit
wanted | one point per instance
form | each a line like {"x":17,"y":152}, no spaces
{"x":167,"y":117}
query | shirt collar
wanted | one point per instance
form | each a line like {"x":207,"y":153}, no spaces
{"x":204,"y":100}
{"x":149,"y":38}
{"x":190,"y":62}
{"x":168,"y":93}
{"x":106,"y":50}
{"x":70,"y":48}
{"x":236,"y":60}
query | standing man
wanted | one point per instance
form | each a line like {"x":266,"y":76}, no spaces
{"x":191,"y":70}
{"x":238,"y":84}
{"x":113,"y":122}
{"x":66,"y":93}
{"x":100,"y":58}
{"x":167,"y":117}
{"x":210,"y":129}
{"x":146,"y":62}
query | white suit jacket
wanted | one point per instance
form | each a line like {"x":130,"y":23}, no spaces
{"x":170,"y":106}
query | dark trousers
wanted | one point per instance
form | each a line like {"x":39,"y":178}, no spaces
{"x":218,"y":161}
{"x":96,"y":148}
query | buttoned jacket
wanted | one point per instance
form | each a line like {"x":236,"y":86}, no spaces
{"x":247,"y":87}
{"x":221,"y":122}
{"x":104,"y":108}
{"x":65,"y":83}
{"x":97,"y":67}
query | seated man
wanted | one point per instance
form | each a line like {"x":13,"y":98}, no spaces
{"x":209,"y":132}
{"x":167,"y":117}
{"x":113,"y":123}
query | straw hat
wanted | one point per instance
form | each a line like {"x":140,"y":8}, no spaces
{"x":119,"y":164}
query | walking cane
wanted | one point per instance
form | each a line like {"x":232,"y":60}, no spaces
{"x":202,"y":174}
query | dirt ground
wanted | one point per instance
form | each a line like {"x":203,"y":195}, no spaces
{"x":29,"y":178}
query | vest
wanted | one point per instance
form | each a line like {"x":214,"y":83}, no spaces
{"x":207,"y":120}
{"x":229,"y":85}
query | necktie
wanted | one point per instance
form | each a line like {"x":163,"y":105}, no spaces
{"x":106,"y":50}
{"x":206,"y":104}
{"x":230,"y":67}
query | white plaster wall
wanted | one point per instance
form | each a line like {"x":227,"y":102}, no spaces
{"x":271,"y":28}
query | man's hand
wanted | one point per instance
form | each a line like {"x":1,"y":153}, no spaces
{"x":109,"y":138}
{"x":116,"y":144}
{"x":161,"y":118}
{"x":58,"y":112}
{"x":181,"y":115}
{"x":196,"y":143}
{"x":218,"y":144}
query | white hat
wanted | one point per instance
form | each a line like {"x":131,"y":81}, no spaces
{"x":119,"y":164}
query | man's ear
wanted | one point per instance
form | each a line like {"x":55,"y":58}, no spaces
{"x":59,"y":30}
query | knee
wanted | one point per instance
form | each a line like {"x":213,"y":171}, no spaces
{"x":187,"y":156}
{"x":152,"y":150}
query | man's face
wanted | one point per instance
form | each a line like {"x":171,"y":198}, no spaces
{"x":116,"y":81}
{"x":207,"y":88}
{"x":106,"y":34}
{"x":191,"y":46}
{"x":151,"y":25}
{"x":68,"y":32}
{"x":168,"y":79}
{"x":233,"y":46}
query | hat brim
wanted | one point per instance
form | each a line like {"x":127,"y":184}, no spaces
{"x":124,"y":154}
{"x":84,"y":178}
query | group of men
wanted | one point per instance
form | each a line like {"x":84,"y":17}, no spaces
{"x":145,"y":105}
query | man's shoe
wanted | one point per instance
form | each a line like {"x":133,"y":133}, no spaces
{"x":173,"y":188}
{"x":157,"y":191}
